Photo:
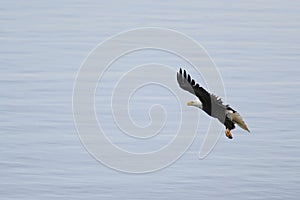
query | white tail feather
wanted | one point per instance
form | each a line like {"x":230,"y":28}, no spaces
{"x":237,"y":118}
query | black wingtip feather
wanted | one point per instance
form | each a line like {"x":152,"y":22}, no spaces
{"x":193,"y":82}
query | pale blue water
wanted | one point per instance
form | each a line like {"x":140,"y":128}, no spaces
{"x":256,"y":46}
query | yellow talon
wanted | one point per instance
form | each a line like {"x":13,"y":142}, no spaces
{"x":228,"y":134}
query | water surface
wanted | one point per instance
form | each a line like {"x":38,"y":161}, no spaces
{"x":255,"y":45}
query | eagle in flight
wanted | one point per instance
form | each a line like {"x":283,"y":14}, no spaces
{"x":211,"y":104}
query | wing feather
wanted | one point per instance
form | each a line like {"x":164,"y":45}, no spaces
{"x":187,"y":83}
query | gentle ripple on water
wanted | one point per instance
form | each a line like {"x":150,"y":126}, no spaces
{"x":255,"y":45}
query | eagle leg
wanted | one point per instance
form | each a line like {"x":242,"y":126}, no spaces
{"x":228,"y":134}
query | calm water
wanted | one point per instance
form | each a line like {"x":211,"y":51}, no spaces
{"x":256,"y":46}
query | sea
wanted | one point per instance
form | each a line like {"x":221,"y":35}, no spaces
{"x":253,"y":48}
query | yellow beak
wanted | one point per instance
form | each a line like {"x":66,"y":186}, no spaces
{"x":189,"y":103}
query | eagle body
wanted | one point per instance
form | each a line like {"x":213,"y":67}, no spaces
{"x":211,"y":104}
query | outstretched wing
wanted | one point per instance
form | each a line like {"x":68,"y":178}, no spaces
{"x":187,"y":83}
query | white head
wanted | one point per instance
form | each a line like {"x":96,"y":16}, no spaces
{"x":195,"y":103}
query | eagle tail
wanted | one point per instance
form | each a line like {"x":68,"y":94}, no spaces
{"x":237,"y":118}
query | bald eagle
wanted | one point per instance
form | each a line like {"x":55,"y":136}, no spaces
{"x":211,"y":104}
